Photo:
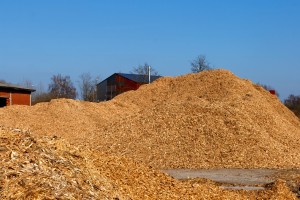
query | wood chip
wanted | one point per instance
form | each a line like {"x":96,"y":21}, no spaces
{"x":212,"y":119}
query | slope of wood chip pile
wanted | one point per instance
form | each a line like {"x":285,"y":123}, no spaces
{"x":46,"y":169}
{"x":205,"y":120}
{"x":50,"y":168}
{"x":211,"y":119}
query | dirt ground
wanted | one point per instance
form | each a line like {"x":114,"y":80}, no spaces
{"x":241,"y":179}
{"x":245,"y":177}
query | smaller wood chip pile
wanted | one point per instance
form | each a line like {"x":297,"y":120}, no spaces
{"x":45,"y":169}
{"x":50,"y":168}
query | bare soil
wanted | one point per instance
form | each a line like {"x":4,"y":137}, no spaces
{"x":241,"y":177}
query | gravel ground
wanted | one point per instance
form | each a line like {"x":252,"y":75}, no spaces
{"x":241,"y":177}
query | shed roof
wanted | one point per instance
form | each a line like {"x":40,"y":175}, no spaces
{"x":15,"y":87}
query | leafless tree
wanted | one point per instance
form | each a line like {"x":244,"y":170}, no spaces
{"x":293,"y":103}
{"x":87,"y":86}
{"x":27,"y":83}
{"x":62,"y":87}
{"x":200,"y":64}
{"x":40,"y":94}
{"x":144,"y":70}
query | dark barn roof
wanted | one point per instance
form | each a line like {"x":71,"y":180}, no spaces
{"x":135,"y":77}
{"x":15,"y":87}
{"x":139,"y":78}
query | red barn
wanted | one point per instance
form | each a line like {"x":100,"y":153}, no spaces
{"x":119,"y":83}
{"x":14,"y":95}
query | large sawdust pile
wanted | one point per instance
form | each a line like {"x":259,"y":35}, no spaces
{"x":49,"y":168}
{"x":210,"y":119}
{"x":204,"y":120}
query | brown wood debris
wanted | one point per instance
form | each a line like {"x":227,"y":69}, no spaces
{"x":212,"y":119}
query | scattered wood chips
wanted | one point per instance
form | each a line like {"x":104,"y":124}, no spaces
{"x":50,"y":168}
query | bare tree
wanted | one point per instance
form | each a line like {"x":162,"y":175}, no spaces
{"x":26,"y":83}
{"x":62,"y":87}
{"x":200,"y":64}
{"x":144,"y":70}
{"x":41,"y":97}
{"x":293,"y":103}
{"x":40,"y":94}
{"x":87,"y":86}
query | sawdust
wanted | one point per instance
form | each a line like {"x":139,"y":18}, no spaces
{"x":205,"y":120}
{"x":50,"y":168}
{"x":46,"y":169}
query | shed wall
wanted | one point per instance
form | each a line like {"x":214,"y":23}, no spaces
{"x":6,"y":95}
{"x":19,"y":98}
{"x":16,"y":97}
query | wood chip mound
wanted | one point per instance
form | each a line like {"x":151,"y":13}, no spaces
{"x":50,"y":168}
{"x":211,"y":119}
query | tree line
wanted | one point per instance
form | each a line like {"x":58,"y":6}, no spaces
{"x":62,"y":87}
{"x":293,"y":103}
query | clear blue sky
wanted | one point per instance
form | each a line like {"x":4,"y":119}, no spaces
{"x":255,"y":39}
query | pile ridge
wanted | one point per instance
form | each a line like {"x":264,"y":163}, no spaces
{"x":205,"y":120}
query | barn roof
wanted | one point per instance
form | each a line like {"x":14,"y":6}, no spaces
{"x":139,"y":78}
{"x":15,"y":87}
{"x":135,"y":77}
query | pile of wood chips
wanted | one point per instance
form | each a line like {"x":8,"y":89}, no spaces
{"x":212,"y":119}
{"x":50,"y":168}
{"x":205,"y":120}
{"x":208,"y":120}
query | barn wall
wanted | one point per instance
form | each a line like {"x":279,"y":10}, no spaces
{"x":101,"y":91}
{"x":115,"y":85}
{"x":111,"y":87}
{"x":123,"y":84}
